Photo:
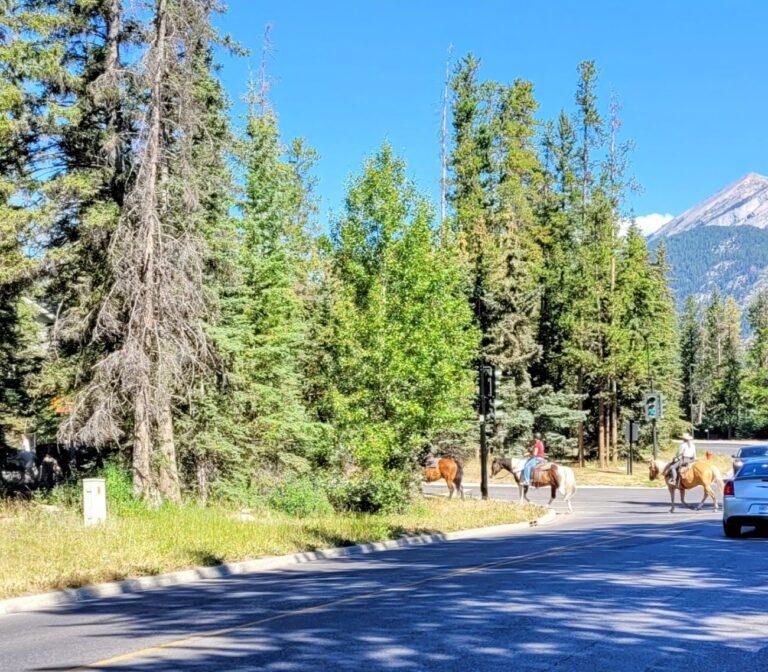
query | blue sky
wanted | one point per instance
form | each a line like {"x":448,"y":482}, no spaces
{"x":692,"y":76}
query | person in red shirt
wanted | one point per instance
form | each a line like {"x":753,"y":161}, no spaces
{"x":537,"y":455}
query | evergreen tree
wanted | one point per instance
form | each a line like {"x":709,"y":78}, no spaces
{"x":78,"y":87}
{"x":690,"y":355}
{"x":268,"y":313}
{"x":727,"y":408}
{"x":17,"y":359}
{"x":755,"y":388}
{"x":712,"y":329}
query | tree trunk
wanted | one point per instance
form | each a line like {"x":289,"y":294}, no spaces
{"x":615,"y":425}
{"x":580,"y":388}
{"x":601,"y":431}
{"x":142,"y":450}
{"x":168,"y":472}
{"x":444,"y":146}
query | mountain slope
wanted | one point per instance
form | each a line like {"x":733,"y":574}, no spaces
{"x":732,"y":259}
{"x":720,"y":243}
{"x":743,"y":203}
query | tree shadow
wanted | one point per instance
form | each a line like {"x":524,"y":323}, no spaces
{"x":667,"y":595}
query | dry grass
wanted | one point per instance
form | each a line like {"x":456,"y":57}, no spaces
{"x":592,"y":474}
{"x":41,"y":550}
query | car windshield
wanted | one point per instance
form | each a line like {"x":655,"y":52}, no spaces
{"x":753,"y":451}
{"x":754,"y":470}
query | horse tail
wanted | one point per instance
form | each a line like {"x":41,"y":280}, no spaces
{"x":717,"y":477}
{"x":459,"y":475}
{"x":567,"y":485}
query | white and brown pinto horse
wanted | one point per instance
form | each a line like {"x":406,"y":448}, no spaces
{"x":557,"y":477}
{"x":697,"y":473}
{"x":448,"y":469}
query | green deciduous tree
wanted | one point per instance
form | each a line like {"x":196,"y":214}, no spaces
{"x":405,"y":340}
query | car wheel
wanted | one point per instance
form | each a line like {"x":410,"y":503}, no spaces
{"x":732,"y":529}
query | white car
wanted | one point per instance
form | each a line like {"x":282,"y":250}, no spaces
{"x":745,"y":498}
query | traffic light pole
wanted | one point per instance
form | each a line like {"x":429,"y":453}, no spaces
{"x":655,"y":439}
{"x":487,"y":390}
{"x":483,"y":459}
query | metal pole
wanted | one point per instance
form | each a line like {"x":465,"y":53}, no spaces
{"x":655,"y":440}
{"x":483,"y":460}
{"x":630,"y":466}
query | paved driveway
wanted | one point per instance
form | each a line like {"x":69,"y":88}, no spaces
{"x":619,"y":585}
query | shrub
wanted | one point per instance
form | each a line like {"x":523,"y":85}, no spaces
{"x":119,"y":484}
{"x":372,"y":494}
{"x":301,"y":496}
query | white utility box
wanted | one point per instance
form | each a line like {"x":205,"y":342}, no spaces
{"x":94,"y":501}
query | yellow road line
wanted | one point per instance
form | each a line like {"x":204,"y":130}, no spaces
{"x":139,"y":653}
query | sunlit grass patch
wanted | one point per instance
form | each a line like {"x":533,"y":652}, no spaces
{"x":43,"y":550}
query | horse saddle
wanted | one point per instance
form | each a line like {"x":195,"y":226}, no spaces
{"x":540,"y":474}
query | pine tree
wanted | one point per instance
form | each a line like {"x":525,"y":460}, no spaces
{"x":755,"y":387}
{"x":727,"y":407}
{"x":17,"y":360}
{"x":470,"y":199}
{"x":712,"y":329}
{"x":66,"y":58}
{"x":556,"y":213}
{"x":268,"y":315}
{"x":690,"y":355}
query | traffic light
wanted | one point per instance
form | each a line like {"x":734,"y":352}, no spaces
{"x":652,"y":407}
{"x":489,"y":386}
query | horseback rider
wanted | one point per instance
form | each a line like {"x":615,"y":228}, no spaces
{"x":536,"y":456}
{"x":686,"y":454}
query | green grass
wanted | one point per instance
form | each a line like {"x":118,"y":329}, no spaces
{"x":44,"y":550}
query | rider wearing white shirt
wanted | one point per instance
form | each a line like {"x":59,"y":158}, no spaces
{"x":686,"y":454}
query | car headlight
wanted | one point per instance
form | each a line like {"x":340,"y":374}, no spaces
{"x":737,"y":464}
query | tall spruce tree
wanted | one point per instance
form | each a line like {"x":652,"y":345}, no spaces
{"x":15,"y":224}
{"x":727,"y":404}
{"x":690,"y":356}
{"x":268,"y":315}
{"x":755,"y":388}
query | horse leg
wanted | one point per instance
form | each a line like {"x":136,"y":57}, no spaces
{"x":450,"y":487}
{"x":682,"y":499}
{"x":672,"y":497}
{"x":707,"y":493}
{"x":522,"y":494}
{"x":525,"y":493}
{"x":552,"y":493}
{"x":711,"y":493}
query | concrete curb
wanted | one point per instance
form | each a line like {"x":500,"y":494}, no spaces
{"x":128,"y":586}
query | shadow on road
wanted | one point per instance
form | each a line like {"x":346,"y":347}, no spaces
{"x":613,"y":597}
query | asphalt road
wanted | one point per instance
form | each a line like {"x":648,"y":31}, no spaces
{"x":723,"y":447}
{"x":619,"y":585}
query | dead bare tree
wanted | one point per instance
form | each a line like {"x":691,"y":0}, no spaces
{"x":444,"y":140}
{"x":155,"y":308}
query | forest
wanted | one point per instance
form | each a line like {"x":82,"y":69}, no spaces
{"x":171,"y":302}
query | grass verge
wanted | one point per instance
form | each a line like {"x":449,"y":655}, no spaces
{"x":43,"y":550}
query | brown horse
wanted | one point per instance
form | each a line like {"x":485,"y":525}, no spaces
{"x":699,"y":473}
{"x":449,"y":469}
